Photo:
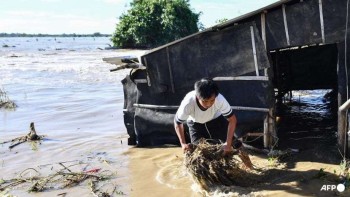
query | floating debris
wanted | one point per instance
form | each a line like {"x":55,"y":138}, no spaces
{"x":31,"y":136}
{"x":61,"y":179}
{"x":5,"y":102}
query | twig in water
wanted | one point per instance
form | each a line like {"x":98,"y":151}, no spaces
{"x":31,"y":136}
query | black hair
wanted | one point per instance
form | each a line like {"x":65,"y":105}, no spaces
{"x":205,"y":88}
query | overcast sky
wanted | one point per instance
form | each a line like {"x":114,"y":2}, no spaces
{"x":90,"y":16}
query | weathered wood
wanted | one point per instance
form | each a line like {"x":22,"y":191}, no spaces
{"x":342,"y":124}
{"x":321,"y":20}
{"x":267,"y":142}
{"x":254,"y":51}
{"x":285,"y":23}
{"x":146,"y":64}
{"x":342,"y":96}
{"x":345,"y":106}
{"x":176,"y":107}
{"x":140,"y":80}
{"x":272,"y":128}
{"x":156,"y":106}
{"x":120,"y":60}
{"x":31,"y":136}
{"x":257,"y":78}
{"x":263,"y":28}
{"x":255,"y":134}
{"x":125,"y":66}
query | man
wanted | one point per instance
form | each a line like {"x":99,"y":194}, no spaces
{"x":208,"y":116}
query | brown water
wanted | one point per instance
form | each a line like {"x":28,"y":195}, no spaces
{"x":77,"y":103}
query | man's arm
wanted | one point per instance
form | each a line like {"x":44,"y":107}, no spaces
{"x":230,"y":133}
{"x":180,"y":131}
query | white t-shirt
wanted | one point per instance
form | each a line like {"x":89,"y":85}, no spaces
{"x":189,"y":109}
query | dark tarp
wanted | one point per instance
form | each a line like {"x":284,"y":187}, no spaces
{"x":334,"y":13}
{"x":222,"y":53}
{"x":212,"y":54}
{"x":276,"y":36}
{"x":304,"y":23}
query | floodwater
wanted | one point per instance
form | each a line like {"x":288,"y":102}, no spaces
{"x":64,"y":87}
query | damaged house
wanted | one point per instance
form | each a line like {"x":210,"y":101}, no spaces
{"x":255,"y":59}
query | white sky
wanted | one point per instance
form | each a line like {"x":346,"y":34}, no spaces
{"x":90,"y":16}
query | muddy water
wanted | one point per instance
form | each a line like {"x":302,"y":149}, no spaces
{"x":308,"y":120}
{"x":307,"y":125}
{"x":158,"y":172}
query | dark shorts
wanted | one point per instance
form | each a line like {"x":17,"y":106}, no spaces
{"x":215,"y":129}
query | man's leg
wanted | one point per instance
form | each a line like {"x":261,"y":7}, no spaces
{"x":218,"y":129}
{"x":197,"y":131}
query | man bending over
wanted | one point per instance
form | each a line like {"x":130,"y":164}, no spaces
{"x":208,"y":116}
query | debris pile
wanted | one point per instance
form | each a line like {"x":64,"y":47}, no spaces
{"x":5,"y":102}
{"x":209,"y":168}
{"x":61,"y":179}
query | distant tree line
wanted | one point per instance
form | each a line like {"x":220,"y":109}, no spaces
{"x":97,"y":34}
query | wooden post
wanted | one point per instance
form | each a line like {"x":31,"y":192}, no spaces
{"x":342,"y":96}
{"x":272,"y":128}
{"x":269,"y":121}
{"x":267,"y":142}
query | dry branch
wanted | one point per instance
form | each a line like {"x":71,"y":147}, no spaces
{"x":31,"y":136}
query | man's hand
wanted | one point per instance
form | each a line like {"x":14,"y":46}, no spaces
{"x":227,"y":149}
{"x":186,"y":147}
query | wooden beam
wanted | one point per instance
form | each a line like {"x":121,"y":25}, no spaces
{"x":241,"y":108}
{"x":140,"y":80}
{"x":156,"y":106}
{"x":263,"y":33}
{"x":321,"y":20}
{"x":255,"y":134}
{"x":263,"y":27}
{"x":254,"y":50}
{"x":345,"y":106}
{"x":243,"y":78}
{"x":342,"y":97}
{"x":148,"y":80}
{"x":267,"y":142}
{"x":285,"y":23}
{"x":272,"y":127}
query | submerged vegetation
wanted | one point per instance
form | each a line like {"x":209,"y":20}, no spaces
{"x":37,"y":179}
{"x":5,"y":102}
{"x":63,"y":178}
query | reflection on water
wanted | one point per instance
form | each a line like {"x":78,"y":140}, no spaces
{"x":308,"y":120}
